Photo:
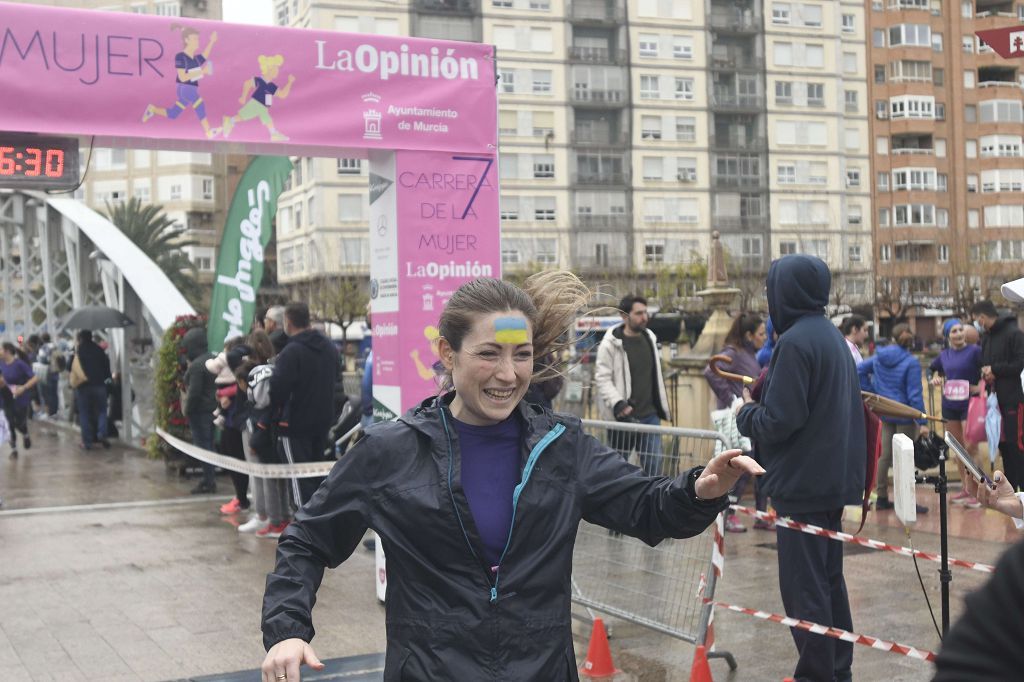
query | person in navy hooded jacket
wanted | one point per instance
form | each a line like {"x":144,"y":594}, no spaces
{"x":809,"y":427}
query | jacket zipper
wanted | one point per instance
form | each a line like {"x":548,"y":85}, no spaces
{"x":554,"y":433}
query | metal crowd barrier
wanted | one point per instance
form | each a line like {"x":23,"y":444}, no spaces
{"x":655,"y":587}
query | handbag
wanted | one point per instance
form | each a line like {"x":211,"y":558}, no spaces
{"x":78,"y":376}
{"x":977,"y":408}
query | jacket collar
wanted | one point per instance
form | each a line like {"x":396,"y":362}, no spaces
{"x":426,"y":417}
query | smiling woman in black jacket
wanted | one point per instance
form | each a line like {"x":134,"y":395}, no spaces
{"x":477,"y":495}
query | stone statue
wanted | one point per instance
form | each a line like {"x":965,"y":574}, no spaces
{"x":717,"y":275}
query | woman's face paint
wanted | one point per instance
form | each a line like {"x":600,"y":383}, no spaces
{"x":510,"y":330}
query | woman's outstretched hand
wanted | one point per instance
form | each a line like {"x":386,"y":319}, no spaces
{"x":286,"y":657}
{"x":722,"y":472}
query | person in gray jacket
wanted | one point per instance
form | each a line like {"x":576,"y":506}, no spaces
{"x":630,"y":386}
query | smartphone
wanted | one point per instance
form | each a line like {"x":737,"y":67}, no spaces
{"x":965,"y":459}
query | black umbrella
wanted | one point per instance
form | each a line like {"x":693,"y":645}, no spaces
{"x":96,"y":317}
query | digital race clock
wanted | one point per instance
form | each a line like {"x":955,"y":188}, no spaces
{"x":30,"y":162}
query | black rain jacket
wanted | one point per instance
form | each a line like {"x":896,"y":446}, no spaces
{"x":1003,"y":348}
{"x":448,"y":616}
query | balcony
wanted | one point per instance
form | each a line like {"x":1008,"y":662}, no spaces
{"x":596,"y":55}
{"x":901,"y":151}
{"x":601,"y":178}
{"x":738,"y":143}
{"x":745,"y":182}
{"x":582,"y":138}
{"x":615,"y":221}
{"x":599,"y":98}
{"x":736,"y":62}
{"x":737,"y":21}
{"x":450,"y":7}
{"x":721,"y":100}
{"x":736,"y":222}
{"x":596,"y":13}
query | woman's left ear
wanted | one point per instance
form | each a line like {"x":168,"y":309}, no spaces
{"x":446,"y":353}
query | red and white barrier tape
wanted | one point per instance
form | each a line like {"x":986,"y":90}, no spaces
{"x":718,"y":546}
{"x":835,"y":633}
{"x":857,"y":540}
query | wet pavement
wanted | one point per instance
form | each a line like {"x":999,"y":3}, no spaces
{"x":111,"y":571}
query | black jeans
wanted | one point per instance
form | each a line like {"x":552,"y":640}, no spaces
{"x":17,"y":419}
{"x":1011,"y":447}
{"x":231,"y":445}
{"x":201,"y":426}
{"x":813,"y":588}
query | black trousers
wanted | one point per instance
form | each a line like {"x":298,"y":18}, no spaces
{"x":813,"y":588}
{"x":231,"y":445}
{"x":1011,"y":447}
{"x":296,"y":448}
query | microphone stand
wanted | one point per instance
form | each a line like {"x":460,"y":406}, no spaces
{"x":945,"y":576}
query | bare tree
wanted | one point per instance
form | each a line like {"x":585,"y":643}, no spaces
{"x":338,"y":299}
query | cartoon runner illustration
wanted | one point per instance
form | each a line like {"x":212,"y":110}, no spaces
{"x":190,"y":67}
{"x":262,"y":90}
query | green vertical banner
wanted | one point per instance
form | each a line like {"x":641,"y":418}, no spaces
{"x":240,"y":260}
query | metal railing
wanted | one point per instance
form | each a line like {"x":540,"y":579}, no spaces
{"x":591,"y":96}
{"x":599,"y":55}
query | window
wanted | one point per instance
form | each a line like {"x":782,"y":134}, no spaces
{"x":509,"y":209}
{"x":851,"y":138}
{"x":878,"y":37}
{"x":883,"y":217}
{"x":541,"y":81}
{"x":811,"y":15}
{"x":971,"y":149}
{"x":972,"y":183}
{"x":853,"y":177}
{"x":787,"y":248}
{"x":544,"y":208}
{"x":881,"y":145}
{"x":648,"y":45}
{"x":967,"y":44}
{"x":653,"y":167}
{"x":168,"y":9}
{"x":508,"y":80}
{"x":654,"y":252}
{"x":650,"y":128}
{"x":350,"y":166}
{"x":917,"y":35}
{"x":543,"y":165}
{"x":350,"y":207}
{"x":508,"y":122}
{"x":914,"y":214}
{"x":175,"y":191}
{"x":938,"y":77}
{"x":1000,"y":146}
{"x":942,"y":253}
{"x":684,"y":89}
{"x":885,"y":253}
{"x":970,"y":113}
{"x":207,"y":191}
{"x":879,"y":73}
{"x":804,"y":133}
{"x":781,"y":13}
{"x":968,"y":79}
{"x":686,"y":128}
{"x":503,"y":4}
{"x":783,"y":92}
{"x":783,"y":54}
{"x":686,"y":169}
{"x":786,"y":174}
{"x":912,"y":106}
{"x":908,"y":70}
{"x":914,"y":179}
{"x":853,"y":254}
{"x":881,"y":109}
{"x":543,"y":123}
{"x":1000,"y":111}
{"x":682,"y":47}
{"x":816,"y":94}
{"x":937,"y":42}
{"x":650,"y":87}
{"x":851,"y":100}
{"x":882,"y":182}
{"x":849,"y":62}
{"x":849,"y":23}
{"x":509,"y":256}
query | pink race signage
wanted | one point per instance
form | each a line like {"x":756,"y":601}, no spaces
{"x":444,"y":206}
{"x":145,"y":81}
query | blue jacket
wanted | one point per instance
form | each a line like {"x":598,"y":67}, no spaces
{"x":894,"y":373}
{"x":765,"y":354}
{"x":809,"y":425}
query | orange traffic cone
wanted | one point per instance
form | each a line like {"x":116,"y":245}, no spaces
{"x":700,"y":671}
{"x":599,"y":656}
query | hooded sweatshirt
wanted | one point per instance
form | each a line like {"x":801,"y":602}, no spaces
{"x":302,"y":387}
{"x":894,"y":373}
{"x":1003,"y":348}
{"x":201,"y":391}
{"x":809,"y":425}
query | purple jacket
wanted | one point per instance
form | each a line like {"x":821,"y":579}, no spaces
{"x":744,"y":361}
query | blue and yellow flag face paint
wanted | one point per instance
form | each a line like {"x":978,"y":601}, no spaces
{"x":510,"y":330}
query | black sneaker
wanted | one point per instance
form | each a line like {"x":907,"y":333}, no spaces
{"x":883,"y":504}
{"x":27,"y":442}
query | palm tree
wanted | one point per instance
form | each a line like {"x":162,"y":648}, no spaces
{"x":160,"y":239}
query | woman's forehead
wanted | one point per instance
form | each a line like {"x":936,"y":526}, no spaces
{"x":508,"y":326}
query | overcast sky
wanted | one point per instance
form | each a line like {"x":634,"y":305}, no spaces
{"x":249,"y":11}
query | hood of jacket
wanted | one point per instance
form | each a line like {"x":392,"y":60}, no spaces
{"x":313,"y":340}
{"x":424,"y":418}
{"x":1003,"y":323}
{"x":798,"y":286}
{"x":194,"y":343}
{"x":891,"y":356}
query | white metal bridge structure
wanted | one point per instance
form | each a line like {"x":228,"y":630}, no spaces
{"x":57,"y":254}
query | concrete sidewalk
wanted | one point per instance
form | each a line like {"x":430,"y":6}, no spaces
{"x":112,"y":571}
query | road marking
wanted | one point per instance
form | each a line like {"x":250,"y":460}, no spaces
{"x":104,"y":506}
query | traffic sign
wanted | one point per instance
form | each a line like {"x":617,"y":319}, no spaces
{"x":1008,"y":42}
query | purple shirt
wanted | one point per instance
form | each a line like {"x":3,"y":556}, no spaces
{"x":16,"y":374}
{"x":491,"y":457}
{"x":263,"y":90}
{"x":963,"y":364}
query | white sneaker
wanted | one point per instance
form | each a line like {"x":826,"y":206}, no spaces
{"x":254,"y":524}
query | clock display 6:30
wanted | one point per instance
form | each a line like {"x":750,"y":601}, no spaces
{"x":31,"y":162}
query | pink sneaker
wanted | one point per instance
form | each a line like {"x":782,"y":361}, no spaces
{"x":273,"y":530}
{"x":961,"y":498}
{"x":232,"y":507}
{"x":734,"y":526}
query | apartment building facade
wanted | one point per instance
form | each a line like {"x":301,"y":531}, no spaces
{"x":947,"y":123}
{"x":629,"y":130}
{"x":193,"y":188}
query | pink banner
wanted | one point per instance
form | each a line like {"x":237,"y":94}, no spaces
{"x":447,"y":213}
{"x":139,"y":80}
